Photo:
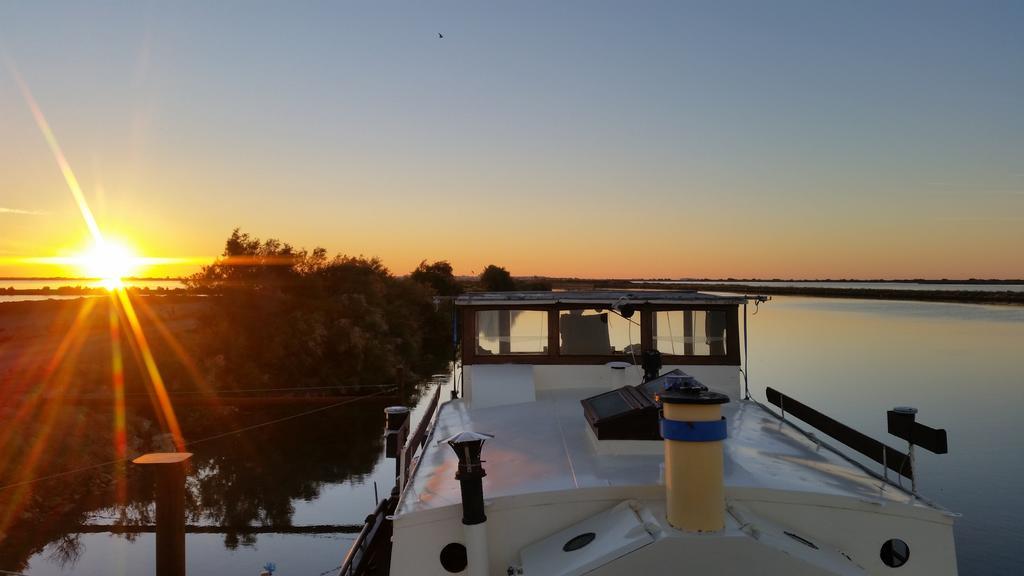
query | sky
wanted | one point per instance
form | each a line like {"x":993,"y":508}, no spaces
{"x":877,"y":139}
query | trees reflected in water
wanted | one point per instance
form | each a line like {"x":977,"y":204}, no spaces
{"x":249,"y":479}
{"x":253,"y":479}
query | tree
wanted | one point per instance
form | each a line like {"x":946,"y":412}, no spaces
{"x":438,"y":276}
{"x":497,"y":279}
{"x":255,"y":265}
{"x":281,"y":317}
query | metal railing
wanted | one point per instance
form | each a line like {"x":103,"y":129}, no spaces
{"x":889,"y":457}
{"x":378,"y":525}
{"x":420,"y":435}
{"x":354,"y":558}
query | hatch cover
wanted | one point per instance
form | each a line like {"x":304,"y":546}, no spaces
{"x":607,"y":536}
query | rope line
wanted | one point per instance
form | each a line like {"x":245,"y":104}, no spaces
{"x":221,"y":393}
{"x":286,"y":418}
{"x":332,"y":570}
{"x":195,"y":442}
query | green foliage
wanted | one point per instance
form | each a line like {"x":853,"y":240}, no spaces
{"x":282,"y":317}
{"x":497,"y":279}
{"x":438,"y":276}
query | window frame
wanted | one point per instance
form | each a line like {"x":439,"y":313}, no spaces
{"x":644,"y":315}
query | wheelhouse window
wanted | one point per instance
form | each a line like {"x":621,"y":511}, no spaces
{"x":596,"y":332}
{"x":511,"y":332}
{"x":691,"y":332}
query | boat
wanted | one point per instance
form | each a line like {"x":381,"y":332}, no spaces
{"x":613,"y":433}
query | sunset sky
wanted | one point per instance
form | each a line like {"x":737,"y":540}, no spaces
{"x":597,"y":139}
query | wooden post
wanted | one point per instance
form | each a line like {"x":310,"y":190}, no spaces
{"x":170,"y":509}
{"x":504,"y":331}
{"x":688,"y":338}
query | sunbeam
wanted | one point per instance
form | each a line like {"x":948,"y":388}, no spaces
{"x":110,"y":263}
{"x":57,"y":383}
{"x":155,"y":379}
{"x":58,"y":154}
{"x":117,"y":383}
{"x":38,"y":393}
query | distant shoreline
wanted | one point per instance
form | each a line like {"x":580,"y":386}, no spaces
{"x":86,"y":291}
{"x":77,"y":279}
{"x":1005,"y":297}
{"x":992,"y":281}
{"x":993,"y":297}
{"x":969,"y":281}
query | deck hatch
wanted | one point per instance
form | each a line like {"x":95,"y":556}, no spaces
{"x":628,"y":413}
{"x":616,"y":532}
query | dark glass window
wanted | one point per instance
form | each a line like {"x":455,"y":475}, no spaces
{"x":691,"y":332}
{"x":511,"y":332}
{"x":597,"y":332}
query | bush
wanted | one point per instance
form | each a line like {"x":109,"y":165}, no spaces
{"x":282,"y":317}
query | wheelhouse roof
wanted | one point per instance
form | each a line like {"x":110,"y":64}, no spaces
{"x":600,"y":297}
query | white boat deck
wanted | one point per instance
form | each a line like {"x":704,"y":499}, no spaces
{"x":546,"y":446}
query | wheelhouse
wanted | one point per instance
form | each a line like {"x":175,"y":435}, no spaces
{"x":530,"y":341}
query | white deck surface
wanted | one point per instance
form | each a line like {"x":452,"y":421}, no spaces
{"x":544,"y":446}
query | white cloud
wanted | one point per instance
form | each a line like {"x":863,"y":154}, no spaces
{"x":4,"y":210}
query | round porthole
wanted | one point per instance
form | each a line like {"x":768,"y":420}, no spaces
{"x":577,"y":542}
{"x":453,"y":557}
{"x":895,"y":553}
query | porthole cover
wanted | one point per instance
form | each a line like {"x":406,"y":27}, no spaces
{"x":577,"y":542}
{"x":453,"y":557}
{"x":895,"y":553}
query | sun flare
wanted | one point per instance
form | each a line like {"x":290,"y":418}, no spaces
{"x":110,"y":262}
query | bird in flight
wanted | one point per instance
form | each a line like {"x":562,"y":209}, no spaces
{"x":439,"y":35}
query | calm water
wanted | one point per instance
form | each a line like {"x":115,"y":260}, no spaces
{"x":315,"y":470}
{"x":877,"y":285}
{"x":33,"y":284}
{"x":26,"y":284}
{"x":853,"y":359}
{"x":960,"y":364}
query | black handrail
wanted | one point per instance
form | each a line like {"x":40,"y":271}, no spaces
{"x":420,"y":435}
{"x":885,"y":455}
{"x":353,"y":564}
{"x":354,"y":557}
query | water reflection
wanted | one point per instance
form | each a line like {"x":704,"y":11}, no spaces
{"x":107,"y":555}
{"x":319,"y":469}
{"x":906,"y":310}
{"x":253,"y":479}
{"x":959,"y":364}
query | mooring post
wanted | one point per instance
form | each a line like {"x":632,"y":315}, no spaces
{"x":170,"y":509}
{"x":396,"y":431}
{"x":907,"y":414}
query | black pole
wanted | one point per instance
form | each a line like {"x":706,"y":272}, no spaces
{"x":396,"y":429}
{"x":170,"y":510}
{"x":455,"y":349}
{"x":471,"y":483}
{"x":470,"y":474}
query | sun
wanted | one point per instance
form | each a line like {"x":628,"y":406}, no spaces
{"x":110,"y":262}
